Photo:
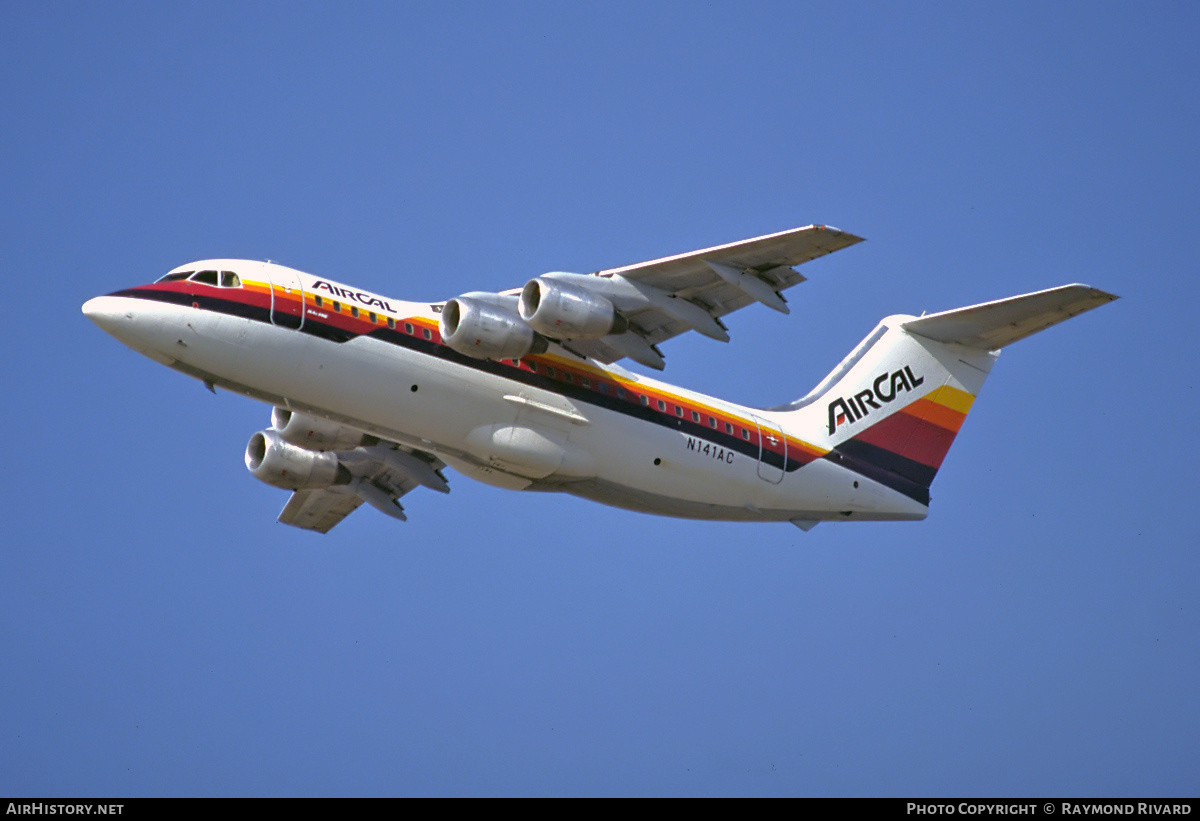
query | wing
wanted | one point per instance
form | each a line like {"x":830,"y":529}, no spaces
{"x":626,"y":312}
{"x":692,"y":291}
{"x":380,"y":473}
{"x":319,"y":510}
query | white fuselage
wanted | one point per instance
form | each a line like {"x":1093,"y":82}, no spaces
{"x":602,"y":435}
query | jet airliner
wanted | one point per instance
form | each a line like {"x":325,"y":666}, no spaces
{"x":522,"y":389}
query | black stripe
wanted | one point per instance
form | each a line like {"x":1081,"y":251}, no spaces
{"x":428,"y":347}
{"x":209,"y":303}
{"x":901,"y":474}
{"x":589,"y":396}
{"x":232,"y":307}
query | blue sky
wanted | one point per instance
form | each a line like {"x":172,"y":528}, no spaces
{"x":1036,"y":635}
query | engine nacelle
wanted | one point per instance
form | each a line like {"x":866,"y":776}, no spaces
{"x":562,"y":310}
{"x":291,"y":467}
{"x":477,"y":327}
{"x":313,"y":432}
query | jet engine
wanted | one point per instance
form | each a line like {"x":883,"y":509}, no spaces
{"x":313,"y":432}
{"x":482,"y":326}
{"x":562,"y":310}
{"x":277,"y":462}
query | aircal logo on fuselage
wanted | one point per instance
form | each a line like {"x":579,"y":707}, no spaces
{"x":360,"y":297}
{"x":883,"y":390}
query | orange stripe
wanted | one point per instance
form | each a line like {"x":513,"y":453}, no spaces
{"x":635,"y":389}
{"x":939,"y":415}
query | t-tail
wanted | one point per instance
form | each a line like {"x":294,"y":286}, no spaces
{"x":890,"y":411}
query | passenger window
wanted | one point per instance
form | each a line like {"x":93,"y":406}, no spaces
{"x":391,"y":323}
{"x":620,"y":392}
{"x":645,"y":400}
{"x":695,"y":416}
{"x":408,"y":329}
{"x":205,"y":277}
{"x":337,"y":307}
{"x":712,"y":422}
{"x":230,"y":280}
{"x":354,"y":311}
{"x":427,"y":334}
{"x":728,"y":428}
{"x":679,"y":411}
{"x":746,"y":434}
{"x":319,"y":301}
{"x":662,"y":406}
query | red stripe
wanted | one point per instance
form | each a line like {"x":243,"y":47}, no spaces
{"x":912,"y":438}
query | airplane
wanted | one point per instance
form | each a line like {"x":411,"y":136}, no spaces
{"x":522,"y":389}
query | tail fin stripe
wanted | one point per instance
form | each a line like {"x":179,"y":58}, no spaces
{"x":905,"y":450}
{"x":885,"y":467}
{"x":910,"y":437}
{"x":953,"y":398}
{"x":939,"y":412}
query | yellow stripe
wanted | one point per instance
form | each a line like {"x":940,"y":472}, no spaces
{"x":953,"y":398}
{"x":577,"y":369}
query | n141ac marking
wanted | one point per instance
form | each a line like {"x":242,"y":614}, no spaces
{"x":709,"y":449}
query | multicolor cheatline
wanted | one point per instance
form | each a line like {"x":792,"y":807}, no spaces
{"x":520,"y":389}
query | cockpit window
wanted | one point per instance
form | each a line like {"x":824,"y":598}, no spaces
{"x":205,"y":277}
{"x":225,"y":279}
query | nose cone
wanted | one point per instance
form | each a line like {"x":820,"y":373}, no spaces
{"x":131,"y":322}
{"x":107,"y":312}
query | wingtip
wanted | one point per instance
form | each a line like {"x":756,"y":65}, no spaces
{"x":850,"y":239}
{"x":1099,"y":295}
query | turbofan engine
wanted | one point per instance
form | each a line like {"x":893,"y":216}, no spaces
{"x":313,"y":432}
{"x":483,"y":326}
{"x":277,"y":462}
{"x":561,"y":310}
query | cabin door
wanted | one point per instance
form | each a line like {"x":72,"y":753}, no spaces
{"x":772,"y":451}
{"x":287,"y":297}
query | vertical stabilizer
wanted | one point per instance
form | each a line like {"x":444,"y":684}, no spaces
{"x":891,"y":410}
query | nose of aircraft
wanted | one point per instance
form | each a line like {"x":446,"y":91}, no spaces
{"x":106,"y":312}
{"x":131,"y":323}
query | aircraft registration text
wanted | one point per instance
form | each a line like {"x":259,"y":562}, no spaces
{"x":709,"y":449}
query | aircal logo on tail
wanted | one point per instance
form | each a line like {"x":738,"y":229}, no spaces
{"x":884,"y":389}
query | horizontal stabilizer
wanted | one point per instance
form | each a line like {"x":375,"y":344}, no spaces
{"x":993,"y":325}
